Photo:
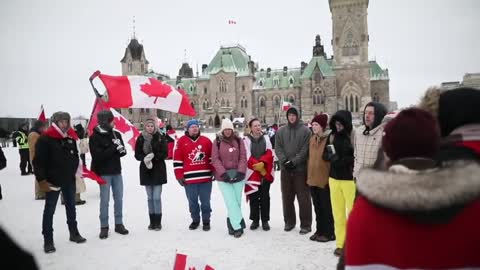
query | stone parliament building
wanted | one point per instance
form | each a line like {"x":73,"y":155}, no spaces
{"x":232,"y":85}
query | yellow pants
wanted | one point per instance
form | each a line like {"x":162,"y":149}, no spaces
{"x":342,"y":195}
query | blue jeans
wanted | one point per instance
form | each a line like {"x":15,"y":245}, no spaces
{"x":51,"y":199}
{"x":194,"y":192}
{"x":116,"y":182}
{"x":154,"y":194}
{"x":232,"y":196}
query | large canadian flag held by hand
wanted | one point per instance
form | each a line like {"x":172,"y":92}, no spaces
{"x":184,"y":262}
{"x":144,"y":92}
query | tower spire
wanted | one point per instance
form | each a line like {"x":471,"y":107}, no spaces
{"x":134,"y":36}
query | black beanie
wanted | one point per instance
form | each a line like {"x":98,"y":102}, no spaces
{"x":104,"y":119}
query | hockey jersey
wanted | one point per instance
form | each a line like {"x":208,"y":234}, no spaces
{"x":192,"y":159}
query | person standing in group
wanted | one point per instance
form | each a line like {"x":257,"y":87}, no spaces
{"x":317,"y":179}
{"x":291,"y":147}
{"x":37,"y":129}
{"x":151,"y":150}
{"x":56,"y":162}
{"x":342,"y":187}
{"x":229,"y":160}
{"x":193,"y":171}
{"x":368,"y":137}
{"x":22,"y":142}
{"x":260,"y":174}
{"x":106,"y":148}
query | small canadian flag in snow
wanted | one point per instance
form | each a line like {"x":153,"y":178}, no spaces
{"x":184,"y":262}
{"x":232,"y":22}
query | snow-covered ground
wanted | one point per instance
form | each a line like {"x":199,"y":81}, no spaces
{"x":21,"y":216}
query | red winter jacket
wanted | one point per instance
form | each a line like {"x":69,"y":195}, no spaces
{"x":192,"y":159}
{"x":407,"y":219}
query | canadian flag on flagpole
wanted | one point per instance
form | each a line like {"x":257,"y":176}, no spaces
{"x":41,"y":115}
{"x":286,"y":105}
{"x":128,"y":130}
{"x":144,"y":92}
{"x":184,"y":262}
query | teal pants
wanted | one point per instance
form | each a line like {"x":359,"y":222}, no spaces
{"x":232,"y":195}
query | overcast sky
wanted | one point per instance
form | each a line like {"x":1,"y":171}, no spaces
{"x":49,"y":48}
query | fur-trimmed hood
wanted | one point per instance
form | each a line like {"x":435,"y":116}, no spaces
{"x":406,"y":190}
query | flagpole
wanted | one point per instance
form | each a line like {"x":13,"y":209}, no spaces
{"x":92,"y":77}
{"x":97,"y":94}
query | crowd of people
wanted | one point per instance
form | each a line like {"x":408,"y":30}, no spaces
{"x":400,"y":191}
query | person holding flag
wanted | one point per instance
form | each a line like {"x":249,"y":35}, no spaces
{"x":106,"y":148}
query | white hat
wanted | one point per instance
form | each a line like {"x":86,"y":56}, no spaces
{"x":226,"y":124}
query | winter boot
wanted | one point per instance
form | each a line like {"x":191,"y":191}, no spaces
{"x":120,"y":228}
{"x":242,"y":223}
{"x":152,"y":221}
{"x":255,"y":224}
{"x":305,"y":230}
{"x":48,"y":246}
{"x":238,"y":233}
{"x":265,"y":226}
{"x":158,"y":222}
{"x":103,"y":233}
{"x":206,"y":226}
{"x":229,"y":226}
{"x":194,"y":225}
{"x":76,"y":237}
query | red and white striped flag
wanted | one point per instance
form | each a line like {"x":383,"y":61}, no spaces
{"x":286,"y":105}
{"x":41,"y":115}
{"x":144,"y":92}
{"x":184,"y":262}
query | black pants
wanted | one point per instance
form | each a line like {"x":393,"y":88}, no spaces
{"x":25,"y":161}
{"x":323,"y":210}
{"x":294,"y":184}
{"x":260,"y":203}
{"x":51,"y":199}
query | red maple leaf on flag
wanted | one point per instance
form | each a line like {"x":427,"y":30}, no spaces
{"x":156,"y":89}
{"x":121,"y":124}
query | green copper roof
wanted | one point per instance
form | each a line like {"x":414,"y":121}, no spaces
{"x":187,"y":84}
{"x":323,"y":64}
{"x":376,"y":72}
{"x":229,"y":59}
{"x":277,"y":79}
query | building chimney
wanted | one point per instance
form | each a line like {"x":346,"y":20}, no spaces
{"x":303,"y":65}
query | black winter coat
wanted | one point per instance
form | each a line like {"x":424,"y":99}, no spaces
{"x":158,"y":174}
{"x":105,"y":156}
{"x":341,"y":164}
{"x":56,"y":160}
{"x":3,"y":160}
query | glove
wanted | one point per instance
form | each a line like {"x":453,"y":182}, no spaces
{"x":148,"y":160}
{"x":240,"y":176}
{"x":121,"y":149}
{"x":117,"y":141}
{"x":260,"y":167}
{"x":225,"y":177}
{"x":289,"y":165}
{"x":45,"y":186}
{"x":181,"y":182}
